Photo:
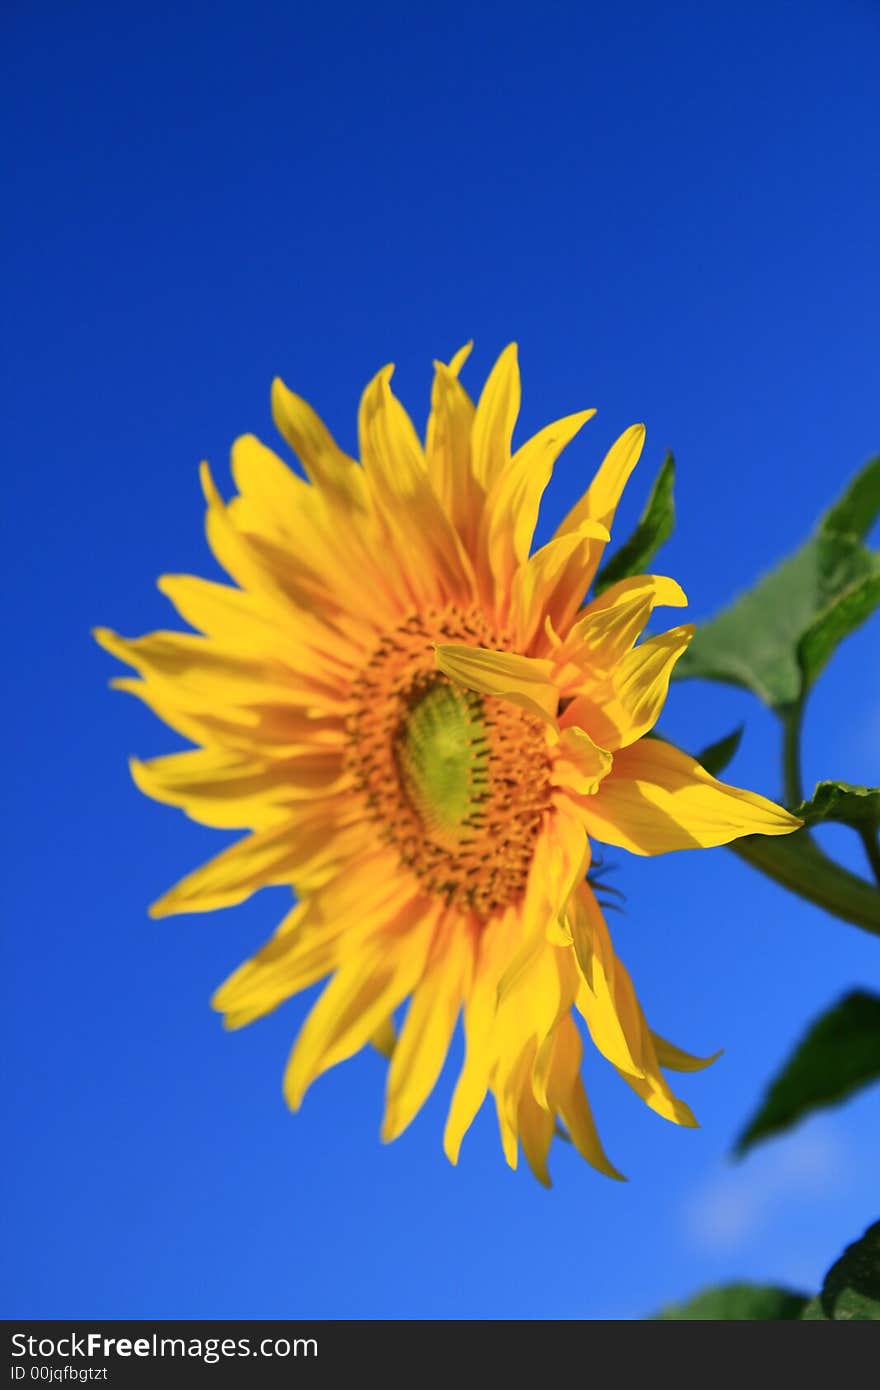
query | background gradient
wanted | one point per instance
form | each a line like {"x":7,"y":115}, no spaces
{"x":674,"y":210}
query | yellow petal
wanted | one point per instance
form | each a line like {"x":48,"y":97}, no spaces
{"x":535,"y":1127}
{"x":631,"y":701}
{"x":390,"y":447}
{"x":550,"y":585}
{"x":207,"y":675}
{"x":496,"y":943}
{"x":511,"y":512}
{"x":459,"y":358}
{"x":580,"y":764}
{"x":566,"y":1095}
{"x":271,"y":730}
{"x":326,"y":464}
{"x":385,"y":1038}
{"x":218,"y":610}
{"x":231,"y":790}
{"x":312,"y":941}
{"x":651,"y":1086}
{"x":302,"y":850}
{"x":676,"y":1059}
{"x":426,"y":1033}
{"x":427,"y":547}
{"x":641,"y":681}
{"x":658,"y":799}
{"x":561,"y":858}
{"x":526,"y":681}
{"x":358,"y":998}
{"x":599,"y":502}
{"x":496,"y":414}
{"x":611,"y":623}
{"x":274,"y":493}
{"x":448,"y":453}
{"x":614,"y":1027}
{"x":598,"y":1009}
{"x":236,"y":554}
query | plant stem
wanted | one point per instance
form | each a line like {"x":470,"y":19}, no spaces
{"x":792,"y":718}
{"x":872,"y":849}
{"x":797,"y":862}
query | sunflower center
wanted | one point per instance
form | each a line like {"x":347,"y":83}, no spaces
{"x":442,"y":754}
{"x":459,"y":782}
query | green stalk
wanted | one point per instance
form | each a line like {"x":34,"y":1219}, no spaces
{"x":792,"y":719}
{"x":797,"y":862}
{"x":872,"y":849}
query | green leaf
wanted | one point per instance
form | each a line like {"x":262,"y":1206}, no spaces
{"x":839,"y":1054}
{"x":851,"y":1292}
{"x":856,"y":511}
{"x":737,"y":1303}
{"x":839,"y":801}
{"x":776,"y":638}
{"x":716,"y":757}
{"x":842,"y":616}
{"x":653,"y":530}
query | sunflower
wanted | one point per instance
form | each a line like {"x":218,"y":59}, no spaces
{"x":423,"y":729}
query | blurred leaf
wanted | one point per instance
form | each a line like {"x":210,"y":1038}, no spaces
{"x":716,"y":757}
{"x":851,"y":1292}
{"x":653,"y":530}
{"x":739,"y":1303}
{"x":839,"y":801}
{"x":775,"y":639}
{"x":839,"y":1054}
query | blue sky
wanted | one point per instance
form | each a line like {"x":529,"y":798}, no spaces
{"x":673,"y":210}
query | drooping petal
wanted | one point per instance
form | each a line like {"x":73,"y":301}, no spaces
{"x":652,"y":1086}
{"x":497,"y":942}
{"x":535,"y":1126}
{"x":567,"y":1097}
{"x":424,"y":1039}
{"x":676,"y":1059}
{"x":599,"y":1010}
{"x":657,"y":799}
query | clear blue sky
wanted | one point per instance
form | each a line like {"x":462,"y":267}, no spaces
{"x":674,"y":210}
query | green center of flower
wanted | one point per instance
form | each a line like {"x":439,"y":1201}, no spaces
{"x":442,"y":753}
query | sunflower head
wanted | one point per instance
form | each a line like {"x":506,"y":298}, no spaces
{"x":423,"y":726}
